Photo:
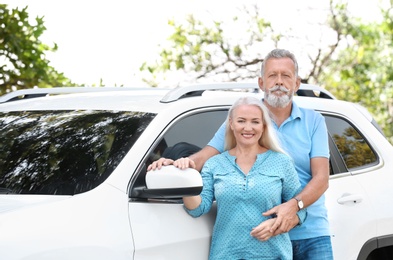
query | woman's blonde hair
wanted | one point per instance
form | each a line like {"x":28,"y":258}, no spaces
{"x":268,"y":139}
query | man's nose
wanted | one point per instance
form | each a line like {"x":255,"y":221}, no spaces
{"x":279,"y":80}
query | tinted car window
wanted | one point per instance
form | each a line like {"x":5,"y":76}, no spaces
{"x":353,"y":147}
{"x":186,"y":136}
{"x":64,"y":152}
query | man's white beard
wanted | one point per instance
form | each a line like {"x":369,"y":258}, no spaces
{"x":278,"y":101}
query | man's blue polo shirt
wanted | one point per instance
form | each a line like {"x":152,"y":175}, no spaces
{"x":303,"y":136}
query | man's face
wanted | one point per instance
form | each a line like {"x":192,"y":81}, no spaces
{"x":279,"y":82}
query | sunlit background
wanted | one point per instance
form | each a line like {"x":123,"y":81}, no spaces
{"x":109,"y":40}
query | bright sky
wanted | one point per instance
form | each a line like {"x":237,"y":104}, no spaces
{"x":109,"y":40}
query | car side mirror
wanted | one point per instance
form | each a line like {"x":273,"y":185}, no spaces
{"x":170,"y":182}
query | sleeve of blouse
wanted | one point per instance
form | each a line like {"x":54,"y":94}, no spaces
{"x":291,"y":186}
{"x":207,"y":194}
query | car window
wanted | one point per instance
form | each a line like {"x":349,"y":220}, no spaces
{"x":64,"y":152}
{"x":197,"y":128}
{"x":188,"y":134}
{"x":185,"y":136}
{"x":354,"y":149}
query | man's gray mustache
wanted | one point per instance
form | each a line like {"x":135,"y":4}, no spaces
{"x":280,"y":88}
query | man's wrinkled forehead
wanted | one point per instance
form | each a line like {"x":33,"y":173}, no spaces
{"x":279,"y":65}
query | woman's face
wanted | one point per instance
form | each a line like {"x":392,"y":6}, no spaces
{"x":247,"y":124}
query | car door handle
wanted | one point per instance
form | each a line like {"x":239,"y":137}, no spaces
{"x":350,"y":198}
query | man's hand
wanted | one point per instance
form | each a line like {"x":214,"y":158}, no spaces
{"x":286,"y":217}
{"x":159,"y":163}
{"x":262,"y":231}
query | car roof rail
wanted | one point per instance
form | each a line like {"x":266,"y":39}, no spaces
{"x":306,"y":90}
{"x":23,"y":94}
{"x":198,"y":89}
{"x":177,"y":93}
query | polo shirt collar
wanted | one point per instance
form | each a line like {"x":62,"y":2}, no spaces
{"x":295,"y":113}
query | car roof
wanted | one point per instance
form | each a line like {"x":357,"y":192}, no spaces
{"x":110,"y":100}
{"x":103,"y":97}
{"x":154,"y":100}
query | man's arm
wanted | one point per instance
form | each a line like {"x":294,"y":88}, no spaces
{"x":286,"y":212}
{"x":319,"y":182}
{"x":196,"y":161}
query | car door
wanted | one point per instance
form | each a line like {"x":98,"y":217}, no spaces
{"x":161,"y":228}
{"x":352,"y":220}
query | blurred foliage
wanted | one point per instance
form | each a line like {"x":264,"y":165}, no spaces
{"x":218,"y":52}
{"x":361,"y":71}
{"x":356,"y":65}
{"x":22,"y":55}
{"x":204,"y":51}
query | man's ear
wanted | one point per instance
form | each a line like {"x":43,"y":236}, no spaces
{"x":260,"y":84}
{"x":298,"y":82}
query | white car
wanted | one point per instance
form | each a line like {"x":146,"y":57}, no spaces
{"x":73,"y":178}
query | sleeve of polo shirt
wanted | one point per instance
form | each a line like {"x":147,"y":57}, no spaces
{"x":218,"y":141}
{"x":207,"y":194}
{"x":291,"y":186}
{"x":320,"y":141}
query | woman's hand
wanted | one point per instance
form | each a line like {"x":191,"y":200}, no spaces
{"x":286,"y":217}
{"x":262,"y":231}
{"x":181,"y":163}
{"x":159,"y":163}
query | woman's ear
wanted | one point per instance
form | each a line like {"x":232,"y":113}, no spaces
{"x":260,"y":84}
{"x":230,"y":123}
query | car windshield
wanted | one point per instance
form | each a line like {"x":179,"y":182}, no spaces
{"x":64,"y":152}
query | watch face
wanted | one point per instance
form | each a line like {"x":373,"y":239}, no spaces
{"x":300,"y":203}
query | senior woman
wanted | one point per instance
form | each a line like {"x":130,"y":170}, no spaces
{"x":252,"y":175}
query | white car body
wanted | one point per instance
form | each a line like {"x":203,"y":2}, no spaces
{"x":120,"y":219}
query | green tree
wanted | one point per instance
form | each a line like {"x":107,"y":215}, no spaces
{"x":361,"y":71}
{"x":214,"y":51}
{"x":355,"y":65}
{"x":22,"y":54}
{"x":203,"y":50}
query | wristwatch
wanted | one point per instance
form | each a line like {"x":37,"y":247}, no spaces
{"x":299,"y":202}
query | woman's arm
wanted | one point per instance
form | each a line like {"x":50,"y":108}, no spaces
{"x":192,"y":202}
